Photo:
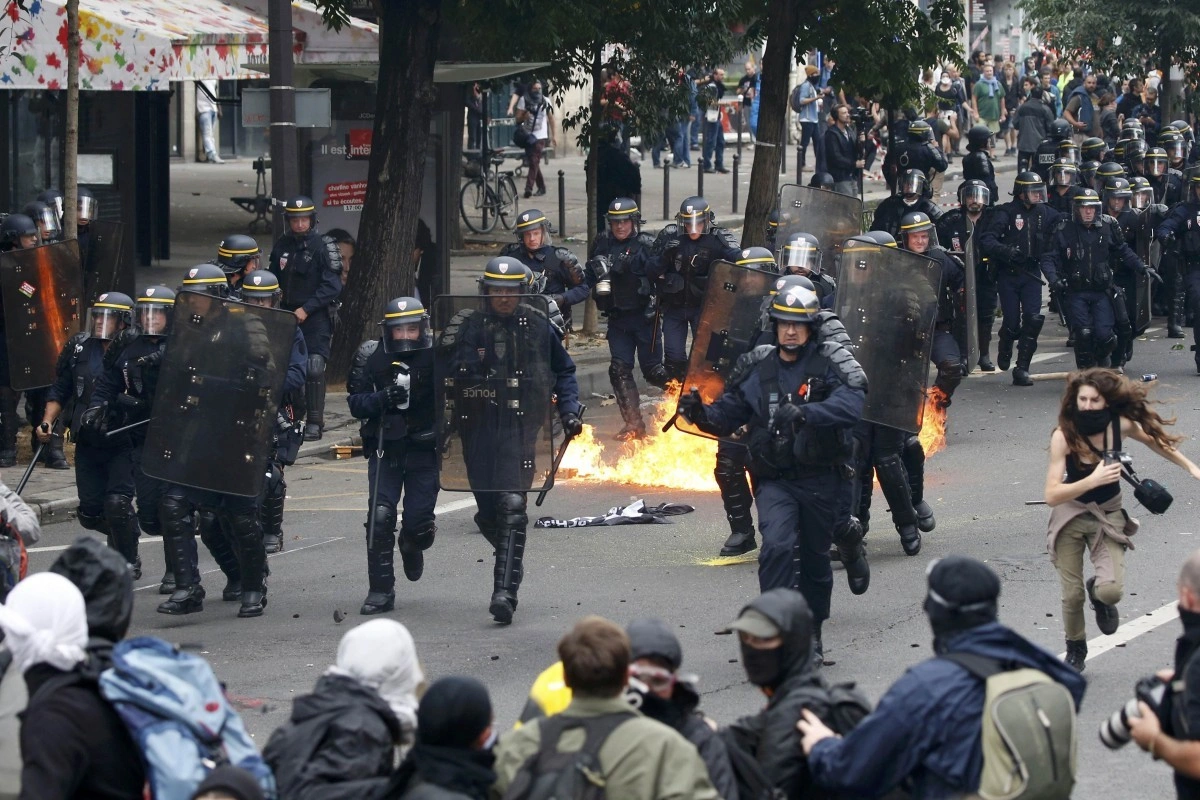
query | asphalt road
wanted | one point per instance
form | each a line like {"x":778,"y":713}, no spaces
{"x":995,"y":461}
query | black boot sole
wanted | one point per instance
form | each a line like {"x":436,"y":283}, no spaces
{"x":739,"y":550}
{"x":273,"y":545}
{"x":911,"y":545}
{"x":1108,"y":619}
{"x":189,"y":606}
{"x":370,"y":609}
{"x":502,"y":611}
{"x":255,"y":610}
{"x":415,"y":570}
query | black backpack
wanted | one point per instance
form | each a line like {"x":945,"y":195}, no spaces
{"x":794,"y":99}
{"x":553,"y":775}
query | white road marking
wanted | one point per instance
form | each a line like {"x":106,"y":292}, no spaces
{"x":273,"y":555}
{"x":1131,"y":630}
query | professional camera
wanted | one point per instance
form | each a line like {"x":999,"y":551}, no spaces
{"x":861,"y":117}
{"x":1114,"y":731}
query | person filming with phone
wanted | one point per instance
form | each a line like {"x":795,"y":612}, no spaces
{"x":1100,"y":408}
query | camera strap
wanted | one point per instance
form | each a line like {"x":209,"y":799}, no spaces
{"x":1126,"y":470}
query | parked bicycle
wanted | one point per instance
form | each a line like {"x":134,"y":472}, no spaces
{"x":489,"y":196}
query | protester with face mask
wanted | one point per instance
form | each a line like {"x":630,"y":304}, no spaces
{"x":926,"y":728}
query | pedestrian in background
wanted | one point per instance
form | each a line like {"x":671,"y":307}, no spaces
{"x":535,"y":114}
{"x":207,"y":112}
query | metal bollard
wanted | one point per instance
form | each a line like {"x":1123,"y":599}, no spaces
{"x":667,"y":190}
{"x":700,"y":178}
{"x":739,"y":130}
{"x":783,"y":150}
{"x":562,"y":205}
{"x":737,"y":160}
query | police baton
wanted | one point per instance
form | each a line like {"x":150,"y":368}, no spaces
{"x":129,"y":427}
{"x":375,"y":488}
{"x":37,"y":454}
{"x":558,"y":457}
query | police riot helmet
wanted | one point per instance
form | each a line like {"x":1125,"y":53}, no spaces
{"x":921,"y":131}
{"x":1083,"y":199}
{"x":772,"y":226}
{"x":694,"y":216}
{"x":758,"y":258}
{"x":1087,"y":172}
{"x":785,"y":282}
{"x":1064,"y":173}
{"x":17,"y":231}
{"x":206,"y":279}
{"x":261,"y":288}
{"x":1185,"y":129}
{"x":1118,"y":151}
{"x":504,"y":271}
{"x":1029,"y":187}
{"x":1135,"y":151}
{"x":1155,"y":162}
{"x":1110,"y":169}
{"x":978,"y":137}
{"x":235,"y":252}
{"x":1060,"y":129}
{"x":54,"y":199}
{"x":622,"y":209}
{"x":532,"y":219}
{"x":882,"y":238}
{"x":918,"y":222}
{"x":1067,"y":151}
{"x":406,"y":326}
{"x":300,"y":206}
{"x":1093,"y":148}
{"x":112,"y":312}
{"x":153,"y":310}
{"x":1193,"y":192}
{"x":795,"y":304}
{"x":1116,"y":189}
{"x":821,"y":180}
{"x":801,"y":255}
{"x":46,"y":218}
{"x":1143,"y":194}
{"x":1133,"y":129}
{"x":1173,"y":144}
{"x":912,"y":184}
{"x":86,"y":207}
{"x":974,"y":192}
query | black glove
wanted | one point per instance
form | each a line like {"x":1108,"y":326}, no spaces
{"x":572,"y":424}
{"x":150,"y":360}
{"x":1167,"y":236}
{"x":1033,"y":264}
{"x":95,"y":419}
{"x":672,"y":243}
{"x":559,"y":300}
{"x":788,"y":416}
{"x":1154,"y":276}
{"x":1061,"y":285}
{"x":396,"y":395}
{"x":691,"y":408}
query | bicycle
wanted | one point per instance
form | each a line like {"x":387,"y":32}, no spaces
{"x":488,"y":196}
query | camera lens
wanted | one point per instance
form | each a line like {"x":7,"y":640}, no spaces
{"x":603,"y":287}
{"x":1114,"y":731}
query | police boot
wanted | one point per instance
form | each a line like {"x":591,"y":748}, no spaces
{"x":1076,"y":655}
{"x":217,"y":540}
{"x":1004,"y":347}
{"x":413,"y":543}
{"x":314,"y":397}
{"x":894,"y":482}
{"x":1085,"y":351}
{"x":730,"y":474}
{"x":381,"y":569}
{"x":985,"y":344}
{"x":510,"y":552}
{"x":626,"y":391}
{"x":123,"y":530}
{"x":675,"y":370}
{"x":487,"y":526}
{"x":271,"y":515}
{"x":247,"y":538}
{"x":1026,"y":347}
{"x":1104,"y":351}
{"x":656,"y":375}
{"x":1177,"y":313}
{"x":8,"y":427}
{"x":52,"y":454}
{"x":848,"y":540}
{"x":188,"y":597}
{"x":866,"y":487}
{"x":914,"y":464}
{"x":949,"y":376}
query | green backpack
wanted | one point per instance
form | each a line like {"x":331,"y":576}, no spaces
{"x":1029,"y":737}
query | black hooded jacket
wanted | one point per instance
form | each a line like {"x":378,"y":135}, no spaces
{"x":106,"y":584}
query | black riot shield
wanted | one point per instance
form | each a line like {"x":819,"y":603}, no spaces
{"x":219,"y":387}
{"x":494,"y":381}
{"x":887,"y":299}
{"x":104,"y":270}
{"x":829,"y":216}
{"x":1149,"y":250}
{"x":40,"y":288}
{"x":730,"y":322}
{"x":967,"y":321}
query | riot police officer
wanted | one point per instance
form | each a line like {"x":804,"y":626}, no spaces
{"x":922,"y":153}
{"x":1078,"y":263}
{"x":103,"y":464}
{"x":1064,"y":183}
{"x":1172,"y":142}
{"x":1167,"y":183}
{"x":1087,"y":174}
{"x":910,"y":196}
{"x":679,"y":262}
{"x":1046,"y":154}
{"x":822,"y":180}
{"x":1117,"y":210}
{"x":123,"y":395}
{"x":773,"y":226}
{"x":1182,"y":226}
{"x":918,"y":235}
{"x":1093,"y":148}
{"x":391,"y":392}
{"x":1014,"y":242}
{"x":46,"y":217}
{"x":309,"y":266}
{"x":1135,"y":157}
{"x":562,"y":277}
{"x":478,"y":344}
{"x":799,"y":444}
{"x":802,"y":255}
{"x":955,"y":229}
{"x":237,"y":255}
{"x":621,"y":287}
{"x":977,"y":164}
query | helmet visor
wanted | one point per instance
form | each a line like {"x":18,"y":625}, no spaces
{"x":912,"y":183}
{"x":263,"y":299}
{"x":406,"y":335}
{"x":1156,"y":166}
{"x":87,"y":208}
{"x":1143,"y":198}
{"x":1034,"y":194}
{"x":1175,"y":149}
{"x":1063,"y":175}
{"x":1069,"y":153}
{"x":975,"y":195}
{"x":694,"y":223}
{"x":104,"y":323}
{"x":1086,"y":212}
{"x":48,"y":224}
{"x":154,"y":319}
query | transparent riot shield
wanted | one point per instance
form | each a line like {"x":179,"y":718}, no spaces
{"x":219,"y":387}
{"x":493,"y":378}
{"x":829,"y":216}
{"x":40,"y":288}
{"x":730,"y":322}
{"x":887,"y":299}
{"x":104,"y":270}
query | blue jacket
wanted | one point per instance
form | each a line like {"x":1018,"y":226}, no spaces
{"x":927,"y":727}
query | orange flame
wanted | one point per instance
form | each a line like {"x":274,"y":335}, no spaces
{"x":933,"y":425}
{"x":671,"y":460}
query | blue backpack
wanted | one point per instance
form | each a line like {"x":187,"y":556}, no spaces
{"x":177,"y":713}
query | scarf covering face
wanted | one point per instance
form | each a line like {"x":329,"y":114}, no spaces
{"x":381,"y":654}
{"x":45,"y":622}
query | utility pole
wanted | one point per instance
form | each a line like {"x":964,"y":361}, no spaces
{"x":70,"y":172}
{"x":284,"y":164}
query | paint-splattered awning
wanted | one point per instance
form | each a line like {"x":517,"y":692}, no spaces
{"x":146,"y":44}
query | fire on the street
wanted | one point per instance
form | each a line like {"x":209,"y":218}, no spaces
{"x":933,"y":425}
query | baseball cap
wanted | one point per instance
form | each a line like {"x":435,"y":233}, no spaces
{"x":756,"y":624}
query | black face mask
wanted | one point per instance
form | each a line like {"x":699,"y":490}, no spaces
{"x":763,"y":667}
{"x":1093,"y":421}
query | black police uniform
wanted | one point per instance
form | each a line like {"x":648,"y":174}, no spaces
{"x":629,"y":307}
{"x":945,"y":353}
{"x":103,"y":464}
{"x":892,"y":209}
{"x":1168,"y":188}
{"x":954,"y":230}
{"x":1061,"y":201}
{"x":679,"y":266}
{"x":565,"y":282}
{"x":289,"y":434}
{"x":1183,"y":225}
{"x":800,"y":471}
{"x":925,"y":157}
{"x":1045,"y":157}
{"x":407,"y":467}
{"x":978,"y":165}
{"x":309,"y":268}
